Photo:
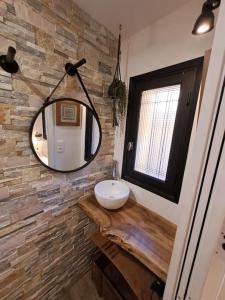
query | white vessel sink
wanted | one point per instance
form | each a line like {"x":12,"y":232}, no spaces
{"x":111,"y":194}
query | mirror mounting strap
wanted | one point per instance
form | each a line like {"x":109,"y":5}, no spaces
{"x":53,"y":91}
{"x":72,"y":70}
{"x":86,"y":92}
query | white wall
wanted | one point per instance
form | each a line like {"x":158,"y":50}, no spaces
{"x":215,"y":281}
{"x":192,"y":182}
{"x":40,"y":144}
{"x":95,"y":136}
{"x":166,"y":42}
{"x":72,"y":139}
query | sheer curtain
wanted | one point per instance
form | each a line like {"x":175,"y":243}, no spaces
{"x":155,"y":131}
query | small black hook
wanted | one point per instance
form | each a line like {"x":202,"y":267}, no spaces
{"x":8,"y":63}
{"x":71,"y":69}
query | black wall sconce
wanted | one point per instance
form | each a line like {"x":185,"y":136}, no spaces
{"x":8,"y":63}
{"x":205,"y":21}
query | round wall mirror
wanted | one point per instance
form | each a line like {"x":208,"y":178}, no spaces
{"x":65,"y":135}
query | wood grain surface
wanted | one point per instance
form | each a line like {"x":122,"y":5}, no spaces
{"x":141,"y":232}
{"x":134,"y":272}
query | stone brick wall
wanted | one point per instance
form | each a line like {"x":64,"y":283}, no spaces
{"x":43,"y":234}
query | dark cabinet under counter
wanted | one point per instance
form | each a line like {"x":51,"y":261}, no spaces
{"x":118,"y":275}
{"x":109,"y":282}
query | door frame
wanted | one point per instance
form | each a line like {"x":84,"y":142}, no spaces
{"x":197,"y":184}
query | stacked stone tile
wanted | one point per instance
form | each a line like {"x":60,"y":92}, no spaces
{"x":44,"y":241}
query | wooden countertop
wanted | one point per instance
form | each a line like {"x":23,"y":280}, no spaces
{"x":141,"y":232}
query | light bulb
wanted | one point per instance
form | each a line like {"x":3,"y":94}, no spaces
{"x":203,"y":28}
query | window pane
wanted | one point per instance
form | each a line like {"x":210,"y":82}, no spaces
{"x":155,"y":131}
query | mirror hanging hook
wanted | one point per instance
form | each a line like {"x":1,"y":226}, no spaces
{"x":72,"y":70}
{"x":8,"y":63}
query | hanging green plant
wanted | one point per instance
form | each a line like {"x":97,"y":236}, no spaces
{"x":117,"y":90}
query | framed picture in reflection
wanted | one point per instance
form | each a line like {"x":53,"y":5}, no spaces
{"x":68,"y":113}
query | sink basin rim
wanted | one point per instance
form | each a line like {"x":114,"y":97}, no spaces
{"x":99,"y":189}
{"x":108,"y":196}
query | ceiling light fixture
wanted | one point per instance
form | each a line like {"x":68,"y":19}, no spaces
{"x":205,"y":21}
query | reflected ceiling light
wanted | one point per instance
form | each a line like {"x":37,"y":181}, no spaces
{"x":205,"y":21}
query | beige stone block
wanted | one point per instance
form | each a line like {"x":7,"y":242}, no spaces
{"x":3,"y":7}
{"x":31,"y":174}
{"x":36,"y":47}
{"x":55,"y":61}
{"x":34,"y":74}
{"x":49,"y":80}
{"x":12,"y":161}
{"x":42,"y":182}
{"x":21,"y":87}
{"x":35,"y":101}
{"x":47,"y":26}
{"x":11,"y":244}
{"x":7,"y":230}
{"x":18,"y":189}
{"x":44,"y":40}
{"x":5,"y":114}
{"x":29,"y":15}
{"x":5,"y":86}
{"x":63,"y":9}
{"x":4,"y":194}
{"x":24,"y":207}
{"x":48,"y":3}
{"x":4,"y":219}
{"x":90,"y":53}
{"x":5,"y":43}
{"x":14,"y":173}
{"x":26,"y":86}
{"x":67,"y":48}
{"x":16,"y":32}
{"x":97,"y":78}
{"x":4,"y":73}
{"x":72,"y":83}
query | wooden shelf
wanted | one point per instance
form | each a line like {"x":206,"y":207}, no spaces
{"x":144,"y":234}
{"x":135,"y":273}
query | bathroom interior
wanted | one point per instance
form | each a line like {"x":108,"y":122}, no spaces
{"x":112,"y":150}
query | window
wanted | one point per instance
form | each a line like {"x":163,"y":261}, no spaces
{"x":159,"y":121}
{"x":155,"y":131}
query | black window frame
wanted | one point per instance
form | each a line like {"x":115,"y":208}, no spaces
{"x":188,"y":74}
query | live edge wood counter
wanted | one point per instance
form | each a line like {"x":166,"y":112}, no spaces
{"x":142,"y":233}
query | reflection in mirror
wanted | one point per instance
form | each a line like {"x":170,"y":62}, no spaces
{"x":65,"y":135}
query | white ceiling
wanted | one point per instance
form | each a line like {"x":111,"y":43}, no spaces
{"x":132,"y":14}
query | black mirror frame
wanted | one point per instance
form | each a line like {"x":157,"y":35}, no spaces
{"x":42,"y":109}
